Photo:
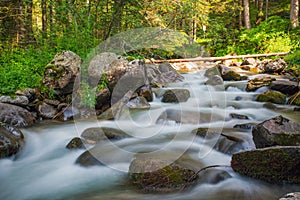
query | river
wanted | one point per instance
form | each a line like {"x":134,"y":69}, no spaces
{"x":45,"y":169}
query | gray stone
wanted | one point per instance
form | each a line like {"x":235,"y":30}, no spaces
{"x":285,"y":86}
{"x":47,"y":111}
{"x":97,"y":134}
{"x":259,"y":82}
{"x":138,"y":103}
{"x":18,"y":100}
{"x":176,"y":95}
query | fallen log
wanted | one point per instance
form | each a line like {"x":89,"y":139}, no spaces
{"x":213,"y":59}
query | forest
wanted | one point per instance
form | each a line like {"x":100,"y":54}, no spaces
{"x":33,"y":31}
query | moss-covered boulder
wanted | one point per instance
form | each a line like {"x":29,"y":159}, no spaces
{"x":159,"y":175}
{"x":295,"y":99}
{"x":277,"y":165}
{"x":259,"y":82}
{"x":11,"y":140}
{"x":276,"y":131}
{"x":176,"y":96}
{"x":272,"y":96}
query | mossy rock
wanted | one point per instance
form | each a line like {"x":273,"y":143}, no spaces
{"x":276,"y":165}
{"x":158,"y":175}
{"x":276,"y":131}
{"x":273,"y":97}
{"x":295,"y":99}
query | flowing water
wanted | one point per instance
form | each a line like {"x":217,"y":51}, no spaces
{"x":45,"y":169}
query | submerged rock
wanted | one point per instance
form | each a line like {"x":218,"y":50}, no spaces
{"x":272,"y":96}
{"x":278,"y":165}
{"x":159,"y":175}
{"x":276,"y":131}
{"x":176,"y":96}
{"x":15,"y":115}
{"x":76,"y":143}
{"x":213,"y":176}
{"x":259,"y":82}
{"x":11,"y":140}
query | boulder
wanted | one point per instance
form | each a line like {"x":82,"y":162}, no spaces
{"x":229,"y":75}
{"x":285,"y":86}
{"x":138,"y":103}
{"x":151,"y":174}
{"x":76,"y":143}
{"x":30,"y":93}
{"x":17,"y":100}
{"x":295,"y":99}
{"x":87,"y":159}
{"x":291,"y":196}
{"x":276,"y":131}
{"x":15,"y":115}
{"x":176,"y":96}
{"x":11,"y":140}
{"x":102,"y":99}
{"x":146,"y":92}
{"x":259,"y":82}
{"x":249,"y":61}
{"x":273,"y":66}
{"x":60,"y":73}
{"x":213,"y":71}
{"x":272,"y":96}
{"x":215,"y":80}
{"x":97,"y":134}
{"x":47,"y":111}
{"x":276,"y":165}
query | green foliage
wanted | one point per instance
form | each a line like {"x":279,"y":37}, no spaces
{"x":293,"y":59}
{"x":103,"y":83}
{"x":88,"y":95}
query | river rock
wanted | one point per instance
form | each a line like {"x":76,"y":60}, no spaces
{"x":213,"y":71}
{"x":97,"y":134}
{"x":87,"y":159}
{"x":230,"y":144}
{"x":76,"y":143}
{"x":215,"y":80}
{"x":17,"y":100}
{"x":278,"y":165}
{"x":102,"y":99}
{"x":213,"y":176}
{"x":146,"y":92}
{"x":285,"y":86}
{"x":159,"y":175}
{"x":100,"y":64}
{"x":60,"y":73}
{"x":176,"y":96}
{"x":272,"y":96}
{"x":273,"y":66}
{"x":15,"y":115}
{"x":276,"y":131}
{"x":68,"y":113}
{"x":11,"y":140}
{"x":30,"y":93}
{"x":138,"y":103}
{"x":295,"y":99}
{"x":259,"y":82}
{"x":249,"y":61}
{"x":291,"y":196}
{"x":229,"y":75}
{"x":47,"y":111}
{"x":238,"y":116}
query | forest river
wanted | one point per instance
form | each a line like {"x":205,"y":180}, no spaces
{"x":45,"y":169}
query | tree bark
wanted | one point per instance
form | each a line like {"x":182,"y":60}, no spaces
{"x":44,"y":18}
{"x":247,"y":14}
{"x":294,"y":13}
{"x":260,"y":13}
{"x":267,"y":9}
{"x":240,"y":13}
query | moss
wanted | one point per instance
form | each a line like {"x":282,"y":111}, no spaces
{"x":273,"y":97}
{"x":295,"y":99}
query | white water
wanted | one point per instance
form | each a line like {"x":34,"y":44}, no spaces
{"x":45,"y":169}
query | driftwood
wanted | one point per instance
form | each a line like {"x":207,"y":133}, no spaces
{"x":213,"y":59}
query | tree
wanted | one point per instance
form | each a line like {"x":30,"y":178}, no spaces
{"x":294,"y":13}
{"x":247,"y":14}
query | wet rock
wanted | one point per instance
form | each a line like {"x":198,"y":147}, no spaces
{"x":76,"y":143}
{"x":47,"y":111}
{"x":213,"y":176}
{"x":215,"y":80}
{"x":276,"y":131}
{"x":249,"y":61}
{"x":30,"y":93}
{"x":246,"y":126}
{"x":272,"y":96}
{"x":229,"y":144}
{"x":238,"y":116}
{"x":97,"y":134}
{"x":87,"y":159}
{"x":100,"y":64}
{"x":259,"y":82}
{"x":295,"y":99}
{"x":274,"y":66}
{"x":159,"y":175}
{"x":138,"y":103}
{"x":229,"y":75}
{"x":11,"y":140}
{"x":18,"y":100}
{"x":15,"y":115}
{"x":213,"y":71}
{"x":146,"y":92}
{"x":60,"y":73}
{"x":176,"y":96}
{"x":68,"y":113}
{"x":285,"y":86}
{"x":291,"y":196}
{"x":278,"y":165}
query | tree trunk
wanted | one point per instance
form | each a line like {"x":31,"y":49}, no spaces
{"x":294,"y":13}
{"x":267,"y":9}
{"x":240,"y":13}
{"x":44,"y":18}
{"x":260,"y":12}
{"x":247,"y":14}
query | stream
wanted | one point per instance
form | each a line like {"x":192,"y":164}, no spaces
{"x":45,"y":169}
